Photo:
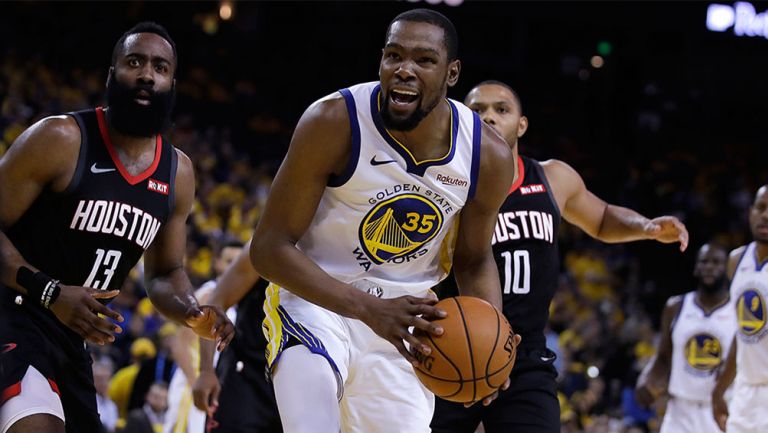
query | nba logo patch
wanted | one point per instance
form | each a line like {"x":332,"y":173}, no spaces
{"x":157,"y":186}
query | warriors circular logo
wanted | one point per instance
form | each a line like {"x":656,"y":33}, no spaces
{"x":398,"y":226}
{"x":703,"y":352}
{"x":750,"y":312}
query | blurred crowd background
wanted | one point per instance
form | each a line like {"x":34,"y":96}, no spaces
{"x":656,"y":112}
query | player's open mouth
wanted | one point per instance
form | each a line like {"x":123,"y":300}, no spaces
{"x":143,"y":98}
{"x":403,"y":97}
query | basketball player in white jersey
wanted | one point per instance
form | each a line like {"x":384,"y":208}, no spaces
{"x":182,"y":416}
{"x":747,"y":361}
{"x":384,"y":186}
{"x":696,"y":332}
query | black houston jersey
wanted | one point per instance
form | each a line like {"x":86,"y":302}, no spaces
{"x":95,"y":231}
{"x":525,"y":249}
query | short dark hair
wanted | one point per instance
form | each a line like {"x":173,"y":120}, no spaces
{"x":506,"y":86}
{"x":450,"y":37}
{"x":144,"y":27}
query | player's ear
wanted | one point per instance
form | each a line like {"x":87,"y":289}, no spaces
{"x":110,"y":73}
{"x":454,"y":68}
{"x":522,"y":126}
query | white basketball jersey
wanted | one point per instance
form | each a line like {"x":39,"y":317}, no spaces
{"x":389,"y":219}
{"x":700,"y":343}
{"x":749,"y":291}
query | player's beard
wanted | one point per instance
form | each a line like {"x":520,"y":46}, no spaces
{"x":716,"y":286}
{"x":135,"y":120}
{"x":408,"y":123}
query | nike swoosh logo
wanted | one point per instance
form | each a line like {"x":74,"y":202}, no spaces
{"x":374,"y":162}
{"x":547,"y":358}
{"x":97,"y":170}
{"x":8,"y":347}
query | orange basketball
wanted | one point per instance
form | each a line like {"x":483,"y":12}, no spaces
{"x":473,"y":357}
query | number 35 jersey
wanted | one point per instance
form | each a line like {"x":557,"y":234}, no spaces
{"x":95,"y":231}
{"x":526,"y":254}
{"x":390,"y":219}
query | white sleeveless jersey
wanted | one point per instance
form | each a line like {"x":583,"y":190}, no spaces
{"x":700,"y":343}
{"x":749,"y":292}
{"x":389,"y":219}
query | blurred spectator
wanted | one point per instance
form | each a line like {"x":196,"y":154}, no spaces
{"x":102,"y":372}
{"x":121,"y":385}
{"x":150,"y":416}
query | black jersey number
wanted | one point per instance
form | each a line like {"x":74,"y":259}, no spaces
{"x":103,"y":268}
{"x":521,"y":272}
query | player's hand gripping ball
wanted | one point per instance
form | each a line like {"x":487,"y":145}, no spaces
{"x":474,"y":355}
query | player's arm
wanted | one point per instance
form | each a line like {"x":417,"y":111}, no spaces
{"x":24,"y":174}
{"x":319,"y":148}
{"x":168,"y":285}
{"x":603,"y":221}
{"x":231,"y":287}
{"x":474,"y":267}
{"x":727,"y":372}
{"x":473,"y":264}
{"x":725,"y":377}
{"x":654,"y":378}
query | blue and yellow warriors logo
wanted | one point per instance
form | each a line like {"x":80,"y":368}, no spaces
{"x":703,"y":352}
{"x":750,"y":313}
{"x":399,"y":226}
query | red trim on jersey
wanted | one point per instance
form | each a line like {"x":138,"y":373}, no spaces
{"x":10,"y":392}
{"x":133,"y":180}
{"x":520,"y":176}
{"x":54,"y":387}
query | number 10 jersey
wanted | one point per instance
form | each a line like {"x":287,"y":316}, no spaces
{"x":526,"y":254}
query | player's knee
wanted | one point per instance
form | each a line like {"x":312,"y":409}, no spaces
{"x":40,"y":422}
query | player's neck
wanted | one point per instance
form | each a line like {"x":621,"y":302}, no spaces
{"x":761,"y":249}
{"x":711,"y":300}
{"x":432,"y":137}
{"x":132,"y":147}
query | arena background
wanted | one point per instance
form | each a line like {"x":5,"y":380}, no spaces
{"x":669,"y":119}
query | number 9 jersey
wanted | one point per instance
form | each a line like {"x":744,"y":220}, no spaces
{"x":526,"y":254}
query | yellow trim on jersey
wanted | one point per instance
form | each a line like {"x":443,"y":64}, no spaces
{"x":413,"y":158}
{"x":185,"y":406}
{"x":272,"y":323}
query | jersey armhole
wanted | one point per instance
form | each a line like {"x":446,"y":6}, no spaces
{"x":81,"y":157}
{"x":172,"y":179}
{"x":354,"y":154}
{"x":540,"y":170}
{"x":673,"y":322}
{"x":477,"y":138}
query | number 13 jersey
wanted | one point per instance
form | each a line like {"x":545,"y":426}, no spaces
{"x":526,"y":254}
{"x":95,"y":231}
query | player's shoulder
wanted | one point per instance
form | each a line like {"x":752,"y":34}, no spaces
{"x":61,"y":131}
{"x":555,"y":168}
{"x":330,"y":108}
{"x":494,"y":149}
{"x":736,"y":254}
{"x":734,"y":258}
{"x":675,"y":302}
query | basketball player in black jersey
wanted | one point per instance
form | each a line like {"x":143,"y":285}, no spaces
{"x":237,"y":395}
{"x":526,"y":254}
{"x":82,"y":197}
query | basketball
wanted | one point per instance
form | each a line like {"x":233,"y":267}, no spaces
{"x":473,"y":357}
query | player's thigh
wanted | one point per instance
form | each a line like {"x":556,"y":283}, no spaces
{"x":450,"y":417}
{"x":31,"y":403}
{"x":382,"y":393}
{"x":247,"y":400}
{"x":530,"y":405}
{"x":746,"y":409}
